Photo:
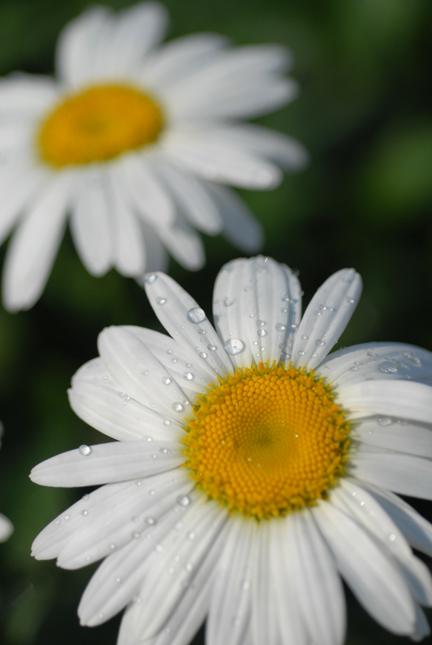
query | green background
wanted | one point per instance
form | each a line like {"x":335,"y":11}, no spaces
{"x":365,"y":201}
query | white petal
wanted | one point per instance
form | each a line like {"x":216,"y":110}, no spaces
{"x":240,"y":226}
{"x":176,"y":563}
{"x":416,"y":529}
{"x":145,"y":192}
{"x":105,"y":531}
{"x":34,"y":245}
{"x":25,"y":94}
{"x":179,"y":58}
{"x":191,"y":196}
{"x":107,"y":463}
{"x":155,"y":254}
{"x":19,"y":184}
{"x":228,"y":86}
{"x":128,"y":238}
{"x":249,"y":98}
{"x":90,"y":530}
{"x":185,"y":620}
{"x":230,"y":603}
{"x":77,"y":45}
{"x":183,"y":244}
{"x":177,"y":360}
{"x":265,"y":625}
{"x":91,"y":228}
{"x":369,"y":570}
{"x":99,"y":400}
{"x":400,"y":473}
{"x":262,"y":142}
{"x":403,"y":399}
{"x":326,"y":317}
{"x":284,"y":572}
{"x":257,"y":302}
{"x":134,"y":32}
{"x":121,"y":576}
{"x":354,"y":500}
{"x":317,"y":583}
{"x":395,"y":435}
{"x":6,"y":528}
{"x":53,"y":538}
{"x":370,"y":361}
{"x":221,"y":161}
{"x":187,"y":323}
{"x":141,"y":375}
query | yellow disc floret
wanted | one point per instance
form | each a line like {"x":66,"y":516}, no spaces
{"x":97,"y":124}
{"x":267,"y":441}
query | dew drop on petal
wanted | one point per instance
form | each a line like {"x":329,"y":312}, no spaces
{"x":150,"y":278}
{"x":183,"y":501}
{"x":280,"y":327}
{"x":234,"y":346}
{"x":85,"y":450}
{"x":177,"y":406}
{"x":189,"y":376}
{"x":161,"y":301}
{"x":387,"y":367}
{"x":196,"y":315}
{"x":166,"y":380}
{"x":384,"y":421}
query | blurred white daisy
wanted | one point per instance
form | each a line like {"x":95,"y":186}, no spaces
{"x":136,"y":142}
{"x":5,"y":525}
{"x":250,"y":469}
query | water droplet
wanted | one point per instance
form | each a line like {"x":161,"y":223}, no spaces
{"x":212,"y":348}
{"x":413,"y":359}
{"x":280,"y":327}
{"x":84,"y":512}
{"x":183,"y":501}
{"x":166,"y":380}
{"x":189,"y":376}
{"x":150,"y":278}
{"x":261,"y":323}
{"x":384,"y":421}
{"x":305,"y":337}
{"x":350,"y":301}
{"x":392,"y":537}
{"x":85,"y":450}
{"x":151,"y":521}
{"x":203,"y":355}
{"x":320,"y":342}
{"x":388,"y":367}
{"x":228,"y":302}
{"x":164,"y":451}
{"x":196,"y":315}
{"x":167,"y":422}
{"x":262,"y":332}
{"x":161,"y":301}
{"x":234,"y":346}
{"x":177,"y":406}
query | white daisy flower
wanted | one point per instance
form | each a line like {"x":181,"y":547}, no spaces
{"x":250,"y":470}
{"x":136,"y":142}
{"x":5,"y":525}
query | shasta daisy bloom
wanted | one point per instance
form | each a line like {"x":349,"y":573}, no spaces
{"x":5,"y":525}
{"x":137,"y":142}
{"x":250,"y":469}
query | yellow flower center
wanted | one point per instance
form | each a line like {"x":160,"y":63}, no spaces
{"x":267,"y":441}
{"x":98,"y":124}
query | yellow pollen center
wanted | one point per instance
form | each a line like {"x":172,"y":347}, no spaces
{"x":267,"y":441}
{"x":98,"y":124}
